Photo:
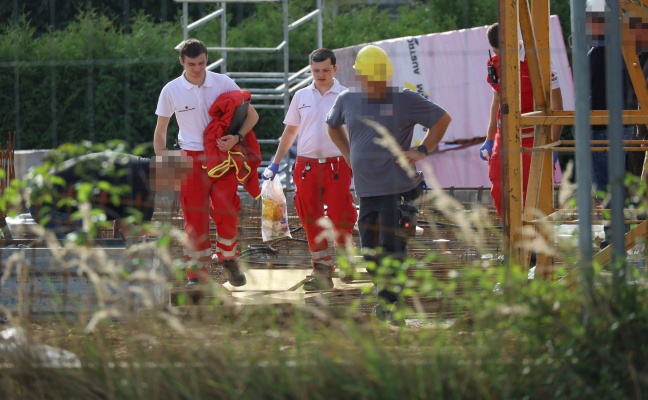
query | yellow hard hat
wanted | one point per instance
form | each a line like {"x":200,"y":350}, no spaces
{"x":373,"y":63}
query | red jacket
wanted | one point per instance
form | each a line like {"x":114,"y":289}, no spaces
{"x":244,"y":158}
{"x":526,"y":89}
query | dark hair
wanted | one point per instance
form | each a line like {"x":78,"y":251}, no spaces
{"x":192,"y":48}
{"x":320,"y":55}
{"x":493,"y":35}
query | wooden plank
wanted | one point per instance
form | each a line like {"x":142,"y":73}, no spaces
{"x":598,"y":117}
{"x":511,"y":136}
{"x":539,"y":196}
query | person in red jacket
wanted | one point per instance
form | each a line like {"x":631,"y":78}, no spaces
{"x":190,"y":97}
{"x":228,"y":113}
{"x":490,"y":151}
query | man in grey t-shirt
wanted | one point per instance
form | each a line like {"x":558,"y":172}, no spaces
{"x":381,"y":181}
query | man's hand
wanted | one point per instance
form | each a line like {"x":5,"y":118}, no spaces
{"x":271,"y":171}
{"x":414,"y":155}
{"x":486,"y":150}
{"x":226,"y":142}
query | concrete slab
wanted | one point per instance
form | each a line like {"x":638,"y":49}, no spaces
{"x":277,"y":286}
{"x":271,"y":279}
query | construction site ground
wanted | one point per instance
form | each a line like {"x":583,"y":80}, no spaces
{"x":277,"y":269}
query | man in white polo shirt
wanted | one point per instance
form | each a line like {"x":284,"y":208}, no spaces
{"x":189,"y":97}
{"x":321,"y":175}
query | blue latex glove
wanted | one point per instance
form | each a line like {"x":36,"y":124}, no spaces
{"x":555,"y":158}
{"x":271,"y":171}
{"x":486,"y":150}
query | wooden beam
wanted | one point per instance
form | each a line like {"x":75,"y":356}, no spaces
{"x":511,"y":137}
{"x":598,"y":117}
{"x":539,"y":195}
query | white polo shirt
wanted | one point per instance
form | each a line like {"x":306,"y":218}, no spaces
{"x":308,"y":110}
{"x":191,"y":104}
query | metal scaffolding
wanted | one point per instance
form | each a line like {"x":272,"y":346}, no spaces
{"x":539,"y":209}
{"x":287,"y":82}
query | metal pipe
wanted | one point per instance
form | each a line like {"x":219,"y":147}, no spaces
{"x":301,"y":84}
{"x":616,"y":158}
{"x":273,"y":106}
{"x":249,"y":49}
{"x":256,"y":74}
{"x":265,"y":91}
{"x":258,"y":80}
{"x":286,"y":57}
{"x":185,"y":21}
{"x":223,"y":23}
{"x":582,"y":134}
{"x":204,"y":20}
{"x":215,"y":64}
{"x":319,"y":24}
{"x":267,"y":96}
{"x":303,"y":19}
{"x":297,"y":75}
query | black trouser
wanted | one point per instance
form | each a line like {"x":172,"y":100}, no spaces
{"x":378,"y":223}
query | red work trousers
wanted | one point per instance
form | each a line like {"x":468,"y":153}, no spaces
{"x":320,"y":182}
{"x":495,"y":170}
{"x":202,"y":197}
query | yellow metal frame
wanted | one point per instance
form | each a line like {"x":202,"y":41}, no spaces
{"x":534,"y":26}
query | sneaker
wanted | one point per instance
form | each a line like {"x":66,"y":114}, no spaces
{"x":322,"y":278}
{"x":234,"y":274}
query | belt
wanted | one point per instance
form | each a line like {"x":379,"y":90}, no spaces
{"x":318,"y":160}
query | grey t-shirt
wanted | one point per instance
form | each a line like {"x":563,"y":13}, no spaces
{"x":375,"y":171}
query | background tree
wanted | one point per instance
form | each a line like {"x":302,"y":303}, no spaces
{"x":93,"y":70}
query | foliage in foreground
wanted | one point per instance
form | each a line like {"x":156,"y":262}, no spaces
{"x":547,"y":342}
{"x":537,"y":339}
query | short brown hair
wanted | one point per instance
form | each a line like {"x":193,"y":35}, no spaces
{"x":192,"y":48}
{"x":320,"y":55}
{"x":493,"y":35}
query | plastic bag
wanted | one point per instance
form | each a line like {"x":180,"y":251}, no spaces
{"x":274,"y":213}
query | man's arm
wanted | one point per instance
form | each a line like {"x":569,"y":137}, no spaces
{"x":160,"y":135}
{"x":556,"y":105}
{"x":341,"y":140}
{"x":432,"y":138}
{"x":287,"y":139}
{"x":226,"y":142}
{"x":492,"y":121}
{"x":250,"y":121}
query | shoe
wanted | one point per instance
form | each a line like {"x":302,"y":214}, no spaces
{"x":346,"y":277}
{"x":234,"y":274}
{"x":321,"y":278}
{"x":391,"y":313}
{"x":193,"y":282}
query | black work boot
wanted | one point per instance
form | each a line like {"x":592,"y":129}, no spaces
{"x":234,"y":274}
{"x":322,"y":278}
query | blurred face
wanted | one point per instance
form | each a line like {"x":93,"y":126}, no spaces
{"x":194,"y":67}
{"x":638,"y":31}
{"x":595,"y":28}
{"x":170,"y":170}
{"x":373,"y":89}
{"x":323,"y":72}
